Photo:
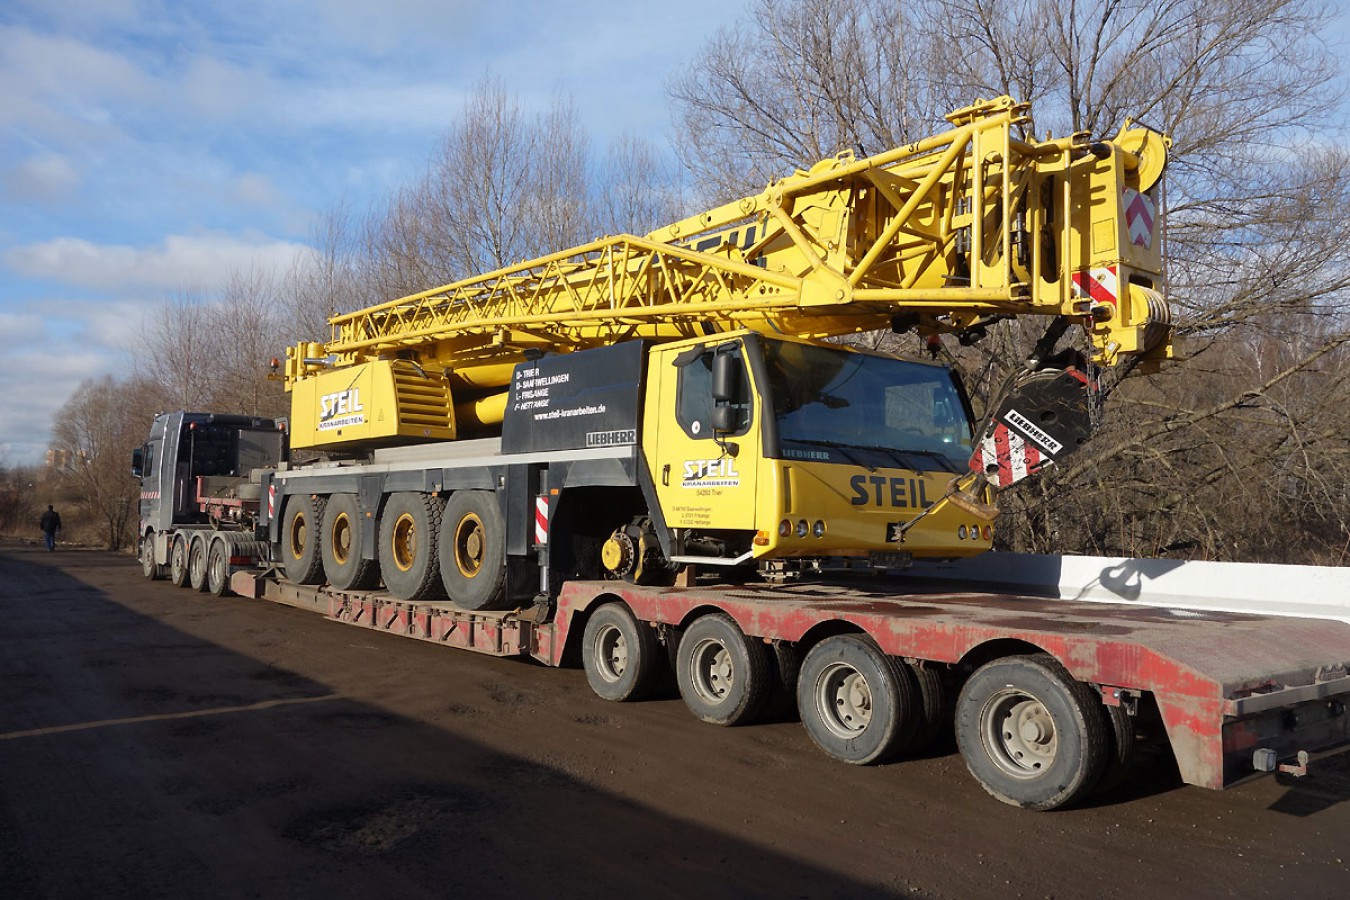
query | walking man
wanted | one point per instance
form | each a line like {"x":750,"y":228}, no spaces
{"x":50,"y":523}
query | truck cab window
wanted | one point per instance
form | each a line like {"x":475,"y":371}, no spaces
{"x":694,"y":402}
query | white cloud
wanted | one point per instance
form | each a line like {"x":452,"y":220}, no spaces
{"x":41,"y":178}
{"x":176,"y":261}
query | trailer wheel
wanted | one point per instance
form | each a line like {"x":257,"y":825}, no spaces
{"x":1120,"y":749}
{"x":149,"y":568}
{"x":300,"y":539}
{"x":472,"y":550}
{"x":218,"y":568}
{"x":344,"y":559}
{"x":196,"y":560}
{"x":858,"y":704}
{"x":621,"y":655}
{"x":178,"y":561}
{"x":1030,"y":734}
{"x":409,"y":532}
{"x":932,"y":703}
{"x":724,"y":676}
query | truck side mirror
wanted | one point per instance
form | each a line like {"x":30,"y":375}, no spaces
{"x":725,"y":377}
{"x":723,"y":419}
{"x":137,"y":462}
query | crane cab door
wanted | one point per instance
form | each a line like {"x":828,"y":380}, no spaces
{"x":702,"y":436}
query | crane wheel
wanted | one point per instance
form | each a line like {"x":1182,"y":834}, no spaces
{"x":149,"y":568}
{"x":344,"y":558}
{"x":410,"y":531}
{"x":472,"y":550}
{"x":218,"y":568}
{"x":301,"y":528}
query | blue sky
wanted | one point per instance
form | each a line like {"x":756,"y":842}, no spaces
{"x":151,"y":145}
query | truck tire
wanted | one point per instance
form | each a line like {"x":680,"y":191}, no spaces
{"x":178,"y":561}
{"x":1120,"y":749}
{"x":301,"y":531}
{"x":621,"y":655}
{"x":472,"y":550}
{"x":149,"y":568}
{"x":858,"y":704}
{"x":724,"y":676}
{"x":1030,"y":734}
{"x":344,"y":559}
{"x":218,"y":568}
{"x":196,"y":559}
{"x":410,"y":530}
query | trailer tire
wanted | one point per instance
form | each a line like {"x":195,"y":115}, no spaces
{"x":196,"y":563}
{"x":472,"y":550}
{"x":410,"y":529}
{"x":858,"y":704}
{"x":621,"y":656}
{"x":932,"y":704}
{"x":301,"y":535}
{"x":724,"y":676}
{"x":178,"y":561}
{"x":1031,"y":734}
{"x":218,"y":568}
{"x":1120,"y":749}
{"x":152,"y":570}
{"x":344,"y":560}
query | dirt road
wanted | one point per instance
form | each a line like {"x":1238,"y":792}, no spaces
{"x":156,"y":742}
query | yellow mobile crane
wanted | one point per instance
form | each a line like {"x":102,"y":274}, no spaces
{"x":700,"y":353}
{"x":550,"y":446}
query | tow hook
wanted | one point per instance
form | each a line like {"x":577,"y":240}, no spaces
{"x":1265,"y":760}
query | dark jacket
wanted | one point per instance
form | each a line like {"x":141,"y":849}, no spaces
{"x":50,"y":521}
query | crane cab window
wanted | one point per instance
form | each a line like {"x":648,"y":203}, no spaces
{"x":695,"y":400}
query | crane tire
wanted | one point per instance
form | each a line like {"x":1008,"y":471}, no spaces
{"x":472,"y":551}
{"x":178,"y":561}
{"x":344,"y":559}
{"x":301,"y":536}
{"x":410,"y":530}
{"x":196,"y":563}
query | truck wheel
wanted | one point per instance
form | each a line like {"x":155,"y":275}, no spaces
{"x":724,"y":676}
{"x":621,"y":655}
{"x":300,"y":539}
{"x":472,"y":550}
{"x":344,"y":561}
{"x":858,"y":704}
{"x":178,"y":561}
{"x":1030,"y":734}
{"x":149,"y":568}
{"x":196,"y":558}
{"x":410,"y":529}
{"x":218,"y":568}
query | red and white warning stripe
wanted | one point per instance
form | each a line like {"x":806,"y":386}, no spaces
{"x":271,"y":501}
{"x":1101,"y":285}
{"x":541,"y":519}
{"x":1005,"y":457}
{"x":1140,"y":216}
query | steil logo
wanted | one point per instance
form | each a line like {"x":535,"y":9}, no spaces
{"x":711,"y":473}
{"x":340,"y":409}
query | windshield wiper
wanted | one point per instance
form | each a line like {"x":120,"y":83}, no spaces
{"x":896,"y":453}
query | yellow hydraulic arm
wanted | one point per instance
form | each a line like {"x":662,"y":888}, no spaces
{"x":945,"y":235}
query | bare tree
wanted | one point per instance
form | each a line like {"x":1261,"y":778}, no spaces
{"x":97,"y":429}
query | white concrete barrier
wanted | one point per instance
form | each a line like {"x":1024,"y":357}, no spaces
{"x":1321,"y":592}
